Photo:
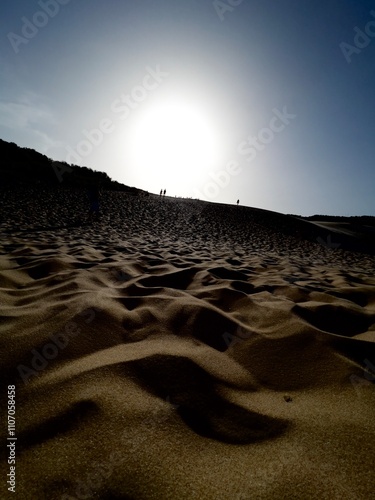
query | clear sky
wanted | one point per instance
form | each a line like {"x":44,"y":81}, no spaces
{"x":268,"y":101}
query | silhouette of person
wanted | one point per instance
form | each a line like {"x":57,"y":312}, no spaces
{"x":93,"y":194}
{"x":238,"y":202}
{"x":161,"y":192}
{"x":165,"y":191}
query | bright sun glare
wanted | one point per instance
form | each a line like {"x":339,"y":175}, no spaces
{"x":173,"y":145}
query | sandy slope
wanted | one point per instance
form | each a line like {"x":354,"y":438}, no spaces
{"x":197,"y":351}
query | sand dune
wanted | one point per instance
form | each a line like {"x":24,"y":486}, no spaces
{"x":180,"y":349}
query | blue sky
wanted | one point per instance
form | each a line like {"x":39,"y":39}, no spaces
{"x":256,"y":100}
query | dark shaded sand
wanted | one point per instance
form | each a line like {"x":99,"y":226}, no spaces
{"x":198,"y":351}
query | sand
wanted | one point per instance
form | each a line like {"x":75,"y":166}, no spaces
{"x":177,"y":349}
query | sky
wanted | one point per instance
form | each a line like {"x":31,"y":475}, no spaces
{"x":267,"y":101}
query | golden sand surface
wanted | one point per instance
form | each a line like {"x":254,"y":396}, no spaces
{"x":176,"y":349}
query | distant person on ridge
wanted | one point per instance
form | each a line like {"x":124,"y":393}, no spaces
{"x":165,"y":191}
{"x":238,"y":202}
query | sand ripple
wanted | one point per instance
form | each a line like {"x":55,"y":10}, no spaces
{"x":157,"y":358}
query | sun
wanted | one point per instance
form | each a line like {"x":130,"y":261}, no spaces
{"x":173,"y":144}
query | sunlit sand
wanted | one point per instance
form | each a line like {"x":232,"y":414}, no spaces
{"x":182,"y":349}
